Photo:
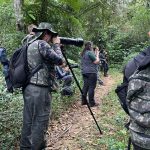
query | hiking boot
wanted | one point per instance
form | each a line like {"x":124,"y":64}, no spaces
{"x":106,"y":75}
{"x":83,"y":103}
{"x":83,"y":100}
{"x":94,"y":105}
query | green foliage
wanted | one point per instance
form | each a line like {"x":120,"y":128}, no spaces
{"x":116,"y":135}
{"x":10,"y":39}
{"x":11,"y":117}
{"x":140,"y":23}
{"x":121,"y":46}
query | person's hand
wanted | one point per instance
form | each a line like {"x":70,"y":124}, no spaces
{"x":56,"y":40}
{"x":66,"y":69}
{"x":149,"y":33}
{"x":97,"y":52}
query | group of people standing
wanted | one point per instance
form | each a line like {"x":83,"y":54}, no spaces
{"x":44,"y":48}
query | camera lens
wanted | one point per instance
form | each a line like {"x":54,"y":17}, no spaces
{"x":71,"y":41}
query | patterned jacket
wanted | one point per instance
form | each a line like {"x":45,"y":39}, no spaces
{"x":138,"y":99}
{"x":41,"y":53}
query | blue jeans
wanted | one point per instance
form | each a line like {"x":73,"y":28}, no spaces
{"x":36,"y":113}
{"x":89,"y":86}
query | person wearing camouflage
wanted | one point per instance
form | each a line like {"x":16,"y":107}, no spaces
{"x":136,"y":73}
{"x":37,"y":94}
{"x":138,"y":100}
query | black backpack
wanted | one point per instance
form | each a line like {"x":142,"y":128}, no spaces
{"x":121,"y":92}
{"x":19,"y":74}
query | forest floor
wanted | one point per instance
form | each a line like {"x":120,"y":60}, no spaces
{"x":75,"y":127}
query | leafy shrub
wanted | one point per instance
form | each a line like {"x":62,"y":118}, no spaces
{"x":10,"y":38}
{"x":11,"y":117}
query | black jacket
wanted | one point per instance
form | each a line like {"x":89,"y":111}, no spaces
{"x":141,"y":61}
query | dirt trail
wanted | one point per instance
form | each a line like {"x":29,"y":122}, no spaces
{"x":77,"y":125}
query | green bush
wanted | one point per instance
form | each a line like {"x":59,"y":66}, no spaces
{"x":10,"y":38}
{"x":11,"y":117}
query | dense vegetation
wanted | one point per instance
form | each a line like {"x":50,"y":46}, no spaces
{"x":119,"y":26}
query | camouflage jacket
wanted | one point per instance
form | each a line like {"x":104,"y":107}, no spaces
{"x":138,"y":100}
{"x":41,"y":53}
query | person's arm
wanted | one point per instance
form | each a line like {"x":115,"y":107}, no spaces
{"x":52,"y":55}
{"x":93,"y":57}
{"x":97,"y":58}
{"x":60,"y":72}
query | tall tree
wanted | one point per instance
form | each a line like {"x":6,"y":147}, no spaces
{"x":18,"y":4}
{"x":43,"y":13}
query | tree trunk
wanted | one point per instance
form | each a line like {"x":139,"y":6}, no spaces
{"x":19,"y":14}
{"x":43,"y":14}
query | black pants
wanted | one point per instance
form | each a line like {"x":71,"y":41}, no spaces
{"x":89,"y":85}
{"x":105,"y":68}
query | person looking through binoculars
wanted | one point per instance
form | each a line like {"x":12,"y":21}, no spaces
{"x":37,"y":94}
{"x":89,"y":62}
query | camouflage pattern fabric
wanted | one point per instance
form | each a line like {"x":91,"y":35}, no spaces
{"x":138,"y":99}
{"x":40,"y":52}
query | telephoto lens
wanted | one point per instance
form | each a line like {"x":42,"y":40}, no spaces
{"x":72,"y":41}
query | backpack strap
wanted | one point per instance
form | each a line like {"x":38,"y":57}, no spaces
{"x":35,"y":70}
{"x":129,"y":144}
{"x":129,"y":139}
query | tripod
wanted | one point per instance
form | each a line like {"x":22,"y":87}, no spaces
{"x":80,"y":89}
